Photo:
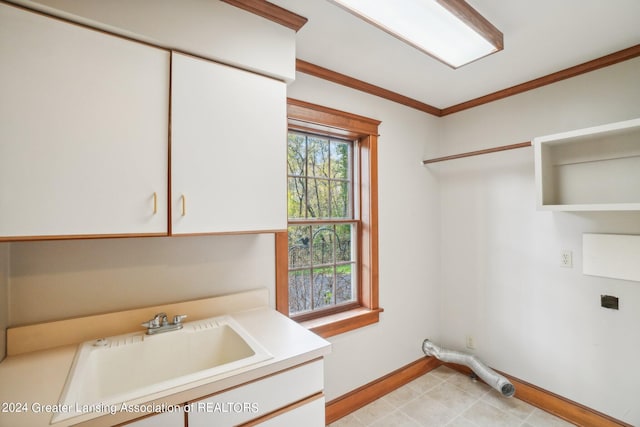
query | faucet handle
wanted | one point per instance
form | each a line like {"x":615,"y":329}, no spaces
{"x":160,"y":319}
{"x":177,"y":319}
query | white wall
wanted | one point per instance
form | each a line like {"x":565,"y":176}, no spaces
{"x":4,"y":296}
{"x":408,"y":239}
{"x":501,"y":279}
{"x":62,"y":279}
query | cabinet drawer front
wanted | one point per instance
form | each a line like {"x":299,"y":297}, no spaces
{"x":311,"y":414}
{"x":256,"y":399}
{"x":166,"y":419}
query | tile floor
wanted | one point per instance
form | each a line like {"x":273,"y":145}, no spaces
{"x":444,"y":397}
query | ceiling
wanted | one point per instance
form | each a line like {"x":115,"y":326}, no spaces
{"x":540,"y":38}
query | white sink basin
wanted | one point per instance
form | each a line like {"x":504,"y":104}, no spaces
{"x":135,"y":365}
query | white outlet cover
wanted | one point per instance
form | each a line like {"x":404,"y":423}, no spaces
{"x":470,"y":344}
{"x":566,"y":258}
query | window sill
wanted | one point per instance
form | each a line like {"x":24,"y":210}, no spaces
{"x":345,"y":321}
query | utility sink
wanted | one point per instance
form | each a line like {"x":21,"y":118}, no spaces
{"x":123,"y":368}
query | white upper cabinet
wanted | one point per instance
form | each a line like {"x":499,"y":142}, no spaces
{"x":228,"y":149}
{"x":84,"y":134}
{"x":84,"y":141}
{"x":210,"y":29}
{"x":593,"y":169}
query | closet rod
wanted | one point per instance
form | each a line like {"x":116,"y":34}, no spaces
{"x":479,"y":152}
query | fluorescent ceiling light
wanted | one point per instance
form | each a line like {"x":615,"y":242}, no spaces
{"x":449,"y":30}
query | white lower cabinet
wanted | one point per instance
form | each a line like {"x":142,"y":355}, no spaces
{"x":165,"y":419}
{"x":256,"y":399}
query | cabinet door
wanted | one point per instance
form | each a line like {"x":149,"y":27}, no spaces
{"x":84,"y":134}
{"x":228,"y":149}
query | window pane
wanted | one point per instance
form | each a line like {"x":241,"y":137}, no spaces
{"x":340,"y":160}
{"x":296,"y":154}
{"x":340,"y":206}
{"x":299,"y":291}
{"x":323,"y":238}
{"x":299,"y":246}
{"x":318,"y":202}
{"x":322,"y":287}
{"x":321,"y":256}
{"x":296,"y":204}
{"x":344,"y":283}
{"x":344,"y":235}
{"x":317,"y":156}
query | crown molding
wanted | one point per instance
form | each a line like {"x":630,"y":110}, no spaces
{"x":271,"y":12}
{"x":586,"y":67}
{"x":342,"y":79}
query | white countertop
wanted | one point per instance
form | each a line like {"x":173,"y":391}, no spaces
{"x":29,"y":382}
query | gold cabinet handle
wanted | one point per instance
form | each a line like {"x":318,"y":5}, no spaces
{"x":155,"y":203}
{"x":184,"y":205}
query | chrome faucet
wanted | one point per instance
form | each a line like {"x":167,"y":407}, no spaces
{"x":160,"y":323}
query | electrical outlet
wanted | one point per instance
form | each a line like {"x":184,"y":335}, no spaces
{"x":566,"y":258}
{"x":470,"y":342}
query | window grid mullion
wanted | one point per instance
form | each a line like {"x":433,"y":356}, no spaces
{"x":290,"y":175}
{"x":311,"y":274}
{"x":306,"y":176}
{"x":335,"y":268}
{"x":329,"y":177}
{"x":338,"y":264}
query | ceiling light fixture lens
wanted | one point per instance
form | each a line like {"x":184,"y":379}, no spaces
{"x":449,"y":30}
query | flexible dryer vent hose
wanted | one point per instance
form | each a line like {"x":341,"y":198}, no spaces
{"x":487,"y":374}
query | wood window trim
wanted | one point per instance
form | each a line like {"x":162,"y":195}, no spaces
{"x":327,"y":121}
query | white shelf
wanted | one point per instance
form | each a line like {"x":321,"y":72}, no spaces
{"x":611,"y":255}
{"x":592,"y":169}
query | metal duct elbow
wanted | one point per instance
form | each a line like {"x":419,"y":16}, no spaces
{"x":488,"y":375}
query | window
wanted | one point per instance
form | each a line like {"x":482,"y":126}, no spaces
{"x":322,"y":229}
{"x":327,"y":261}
